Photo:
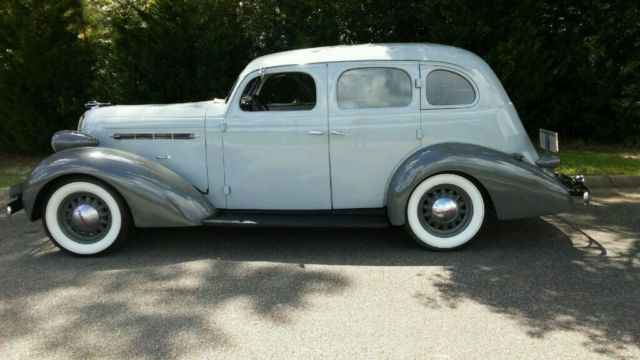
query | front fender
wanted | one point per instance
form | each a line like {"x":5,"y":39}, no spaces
{"x":156,"y":196}
{"x":517,"y":188}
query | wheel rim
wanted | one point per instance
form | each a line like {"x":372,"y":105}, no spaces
{"x":84,"y":218}
{"x":445,"y":210}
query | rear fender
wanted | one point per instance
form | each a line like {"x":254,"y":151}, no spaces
{"x":517,"y":188}
{"x":156,"y":196}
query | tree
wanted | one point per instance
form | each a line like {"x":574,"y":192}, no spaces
{"x":173,"y":51}
{"x":45,"y":71}
{"x":568,"y":65}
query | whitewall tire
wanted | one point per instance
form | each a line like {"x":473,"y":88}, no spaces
{"x":445,"y":212}
{"x":85,"y":217}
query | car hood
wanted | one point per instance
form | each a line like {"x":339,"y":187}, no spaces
{"x":158,"y":113}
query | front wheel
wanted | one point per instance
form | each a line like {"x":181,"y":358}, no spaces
{"x":445,"y":212}
{"x":85,"y":217}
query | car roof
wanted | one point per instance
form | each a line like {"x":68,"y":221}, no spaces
{"x":366,"y":52}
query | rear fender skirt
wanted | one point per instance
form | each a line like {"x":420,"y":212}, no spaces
{"x":156,"y":196}
{"x":517,"y":188}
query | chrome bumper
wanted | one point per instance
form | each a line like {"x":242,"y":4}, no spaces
{"x":576,"y":187}
{"x":15,"y":193}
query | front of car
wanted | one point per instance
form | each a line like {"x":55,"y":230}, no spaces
{"x":142,"y":165}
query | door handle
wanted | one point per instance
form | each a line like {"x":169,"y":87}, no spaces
{"x":334,"y":132}
{"x":163,"y":157}
{"x":315,"y":132}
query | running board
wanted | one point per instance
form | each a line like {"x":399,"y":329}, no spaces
{"x":340,"y":219}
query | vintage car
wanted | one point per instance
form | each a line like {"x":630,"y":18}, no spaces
{"x":418,"y":135}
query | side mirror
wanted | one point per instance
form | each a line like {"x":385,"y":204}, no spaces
{"x":245,"y":102}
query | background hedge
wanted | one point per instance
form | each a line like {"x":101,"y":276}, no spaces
{"x":570,"y":66}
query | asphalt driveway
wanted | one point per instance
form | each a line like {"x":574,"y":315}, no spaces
{"x":565,"y":286}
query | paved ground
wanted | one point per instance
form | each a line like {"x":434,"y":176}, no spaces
{"x":565,"y":286}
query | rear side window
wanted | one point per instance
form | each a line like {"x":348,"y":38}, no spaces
{"x":448,"y":88}
{"x":374,"y":88}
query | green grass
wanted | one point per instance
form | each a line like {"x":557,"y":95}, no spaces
{"x":599,"y":163}
{"x":15,"y":168}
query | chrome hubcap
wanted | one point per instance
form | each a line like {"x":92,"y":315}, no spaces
{"x":445,"y":210}
{"x":84,"y":217}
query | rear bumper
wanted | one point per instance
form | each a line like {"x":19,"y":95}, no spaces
{"x":576,"y":187}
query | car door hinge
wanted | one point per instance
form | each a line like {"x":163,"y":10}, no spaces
{"x":419,"y":134}
{"x":418,"y":83}
{"x":223,"y":126}
{"x":227,"y":190}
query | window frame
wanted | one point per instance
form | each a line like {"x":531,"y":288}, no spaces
{"x":376,"y":66}
{"x":436,"y":67}
{"x":259,"y":73}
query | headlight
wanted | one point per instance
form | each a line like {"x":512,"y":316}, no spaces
{"x":80,"y":123}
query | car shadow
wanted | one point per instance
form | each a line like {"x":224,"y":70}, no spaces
{"x":546,"y":274}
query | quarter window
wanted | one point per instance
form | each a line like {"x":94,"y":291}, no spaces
{"x":374,"y":88}
{"x":279,"y":92}
{"x":448,"y":88}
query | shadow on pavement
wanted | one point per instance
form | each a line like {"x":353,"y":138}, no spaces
{"x":545,"y":274}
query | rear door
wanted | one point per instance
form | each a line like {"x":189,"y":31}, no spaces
{"x":374,"y":123}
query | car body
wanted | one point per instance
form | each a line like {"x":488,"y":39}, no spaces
{"x":333,"y":136}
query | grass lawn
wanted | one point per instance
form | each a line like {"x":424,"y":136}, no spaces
{"x":598,"y":163}
{"x":15,"y":168}
{"x":576,"y":159}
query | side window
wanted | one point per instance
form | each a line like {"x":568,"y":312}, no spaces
{"x":374,"y":88}
{"x":279,"y":92}
{"x":448,"y":88}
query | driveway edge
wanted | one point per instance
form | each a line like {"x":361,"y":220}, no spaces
{"x":612,"y":181}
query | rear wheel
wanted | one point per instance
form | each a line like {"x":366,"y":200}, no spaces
{"x":85,"y":217}
{"x":445,"y":212}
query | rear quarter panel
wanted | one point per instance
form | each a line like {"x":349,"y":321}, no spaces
{"x":517,"y":189}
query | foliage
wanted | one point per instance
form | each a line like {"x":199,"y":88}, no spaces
{"x":45,"y":71}
{"x":171,"y":51}
{"x":569,"y":65}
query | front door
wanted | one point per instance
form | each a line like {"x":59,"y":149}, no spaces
{"x":374,"y":125}
{"x":276,"y":154}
